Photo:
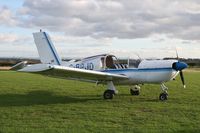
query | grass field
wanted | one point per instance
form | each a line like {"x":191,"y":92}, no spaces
{"x":34,"y":103}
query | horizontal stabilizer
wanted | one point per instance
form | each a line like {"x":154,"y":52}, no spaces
{"x":19,"y":66}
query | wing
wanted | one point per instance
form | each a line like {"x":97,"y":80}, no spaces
{"x":74,"y":73}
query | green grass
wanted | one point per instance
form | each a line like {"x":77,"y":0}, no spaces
{"x":34,"y":103}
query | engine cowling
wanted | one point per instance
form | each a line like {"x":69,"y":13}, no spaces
{"x":156,"y":63}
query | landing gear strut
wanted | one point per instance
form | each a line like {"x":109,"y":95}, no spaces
{"x":111,"y":91}
{"x":135,"y":90}
{"x":164,"y":95}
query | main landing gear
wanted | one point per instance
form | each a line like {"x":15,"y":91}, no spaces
{"x":164,"y":95}
{"x":111,"y":91}
{"x":135,"y":90}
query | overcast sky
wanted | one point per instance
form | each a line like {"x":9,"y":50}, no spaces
{"x":79,"y":28}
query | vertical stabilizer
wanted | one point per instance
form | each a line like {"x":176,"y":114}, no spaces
{"x":46,"y":49}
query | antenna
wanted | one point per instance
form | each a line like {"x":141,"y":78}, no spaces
{"x":138,"y":56}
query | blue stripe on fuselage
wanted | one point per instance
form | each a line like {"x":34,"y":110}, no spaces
{"x":137,"y":70}
{"x":52,"y":49}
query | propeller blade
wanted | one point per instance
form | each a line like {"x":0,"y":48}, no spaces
{"x":182,"y":79}
{"x":177,"y":57}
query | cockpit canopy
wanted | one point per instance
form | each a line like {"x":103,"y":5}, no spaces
{"x":111,"y":62}
{"x":108,"y":61}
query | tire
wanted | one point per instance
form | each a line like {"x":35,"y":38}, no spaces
{"x":163,"y":96}
{"x":108,"y":94}
{"x":135,"y":92}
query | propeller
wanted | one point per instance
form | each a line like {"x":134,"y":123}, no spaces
{"x":182,"y":79}
{"x":179,"y":66}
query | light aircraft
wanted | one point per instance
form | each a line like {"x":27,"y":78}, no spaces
{"x":103,"y":69}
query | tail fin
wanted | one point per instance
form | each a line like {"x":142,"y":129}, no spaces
{"x":46,"y":50}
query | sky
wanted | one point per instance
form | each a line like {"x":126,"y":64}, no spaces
{"x":81,"y":28}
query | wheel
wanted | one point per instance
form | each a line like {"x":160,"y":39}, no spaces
{"x":108,"y":94}
{"x":135,"y":92}
{"x":163,"y":96}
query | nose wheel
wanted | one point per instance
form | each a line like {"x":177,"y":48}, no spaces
{"x":163,"y":96}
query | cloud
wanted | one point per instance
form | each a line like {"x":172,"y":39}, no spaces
{"x":92,"y":25}
{"x":14,"y":39}
{"x":80,"y":41}
{"x":7,"y":17}
{"x":120,"y":19}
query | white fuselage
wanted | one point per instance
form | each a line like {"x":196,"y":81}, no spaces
{"x":148,"y":71}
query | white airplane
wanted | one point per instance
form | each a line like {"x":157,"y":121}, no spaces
{"x":103,"y":69}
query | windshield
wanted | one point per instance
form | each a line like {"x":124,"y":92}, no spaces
{"x":134,"y":63}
